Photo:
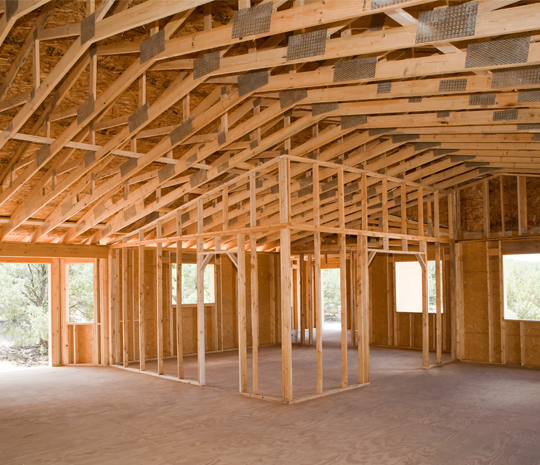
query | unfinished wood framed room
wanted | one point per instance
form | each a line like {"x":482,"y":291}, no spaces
{"x":312,"y":229}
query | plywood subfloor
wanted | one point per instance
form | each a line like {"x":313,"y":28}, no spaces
{"x":222,"y":367}
{"x":460,"y":414}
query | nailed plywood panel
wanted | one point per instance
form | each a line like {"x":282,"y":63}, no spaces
{"x":379,"y":309}
{"x":475,"y":292}
{"x":84,"y":338}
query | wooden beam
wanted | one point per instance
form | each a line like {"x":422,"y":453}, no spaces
{"x":28,"y":249}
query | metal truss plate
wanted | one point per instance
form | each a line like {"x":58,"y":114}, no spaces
{"x":66,"y":206}
{"x":353,"y":70}
{"x":250,"y":82}
{"x":529,"y":96}
{"x":206,"y":64}
{"x":384,"y":87}
{"x":85,"y":109}
{"x":482,"y":99}
{"x":443,"y":114}
{"x":130,"y":212}
{"x":88,"y":28}
{"x":379,"y":131}
{"x":138,"y":118}
{"x":516,"y":77}
{"x":152,"y":47}
{"x":252,"y":21}
{"x":89,"y":158}
{"x":442,"y":152}
{"x":537,"y":137}
{"x":166,"y":173}
{"x":99,"y":210}
{"x":288,"y":98}
{"x":128,"y":167}
{"x":447,"y":23}
{"x":505,"y":115}
{"x":306,"y":45}
{"x":498,"y":52}
{"x":197,"y":179}
{"x":222,"y":138}
{"x":528,"y":127}
{"x":415,"y":100}
{"x":11,"y":8}
{"x":353,"y":121}
{"x":453,"y":85}
{"x":321,"y":108}
{"x":43,"y":155}
{"x":418,"y":146}
{"x":376,"y":4}
{"x":181,"y":132}
{"x":400,"y":138}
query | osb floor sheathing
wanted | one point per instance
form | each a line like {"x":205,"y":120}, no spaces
{"x":461,"y":413}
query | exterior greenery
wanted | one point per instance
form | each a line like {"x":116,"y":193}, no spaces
{"x":331,"y":294}
{"x":81,"y":293}
{"x":24,"y":302}
{"x":522,"y":287}
{"x":189,"y":284}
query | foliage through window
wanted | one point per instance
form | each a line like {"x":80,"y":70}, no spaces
{"x":521,"y":287}
{"x":331,"y":294}
{"x":81,"y":292}
{"x":24,"y":303}
{"x":189,"y":284}
{"x":409,"y":287}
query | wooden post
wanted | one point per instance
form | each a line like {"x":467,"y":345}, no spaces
{"x":286,"y":281}
{"x":502,"y":294}
{"x":460,"y":333}
{"x":425,"y":305}
{"x":362,"y":289}
{"x":487,"y":218}
{"x":343,"y":289}
{"x":125,"y":323}
{"x":420,"y":211}
{"x":159,"y":299}
{"x":302,"y":295}
{"x":522,"y":344}
{"x":286,"y":284}
{"x":142,"y":340}
{"x":503,"y":222}
{"x":55,"y":315}
{"x":179,"y":329}
{"x":254,"y":313}
{"x":105,"y":310}
{"x":438,"y":298}
{"x":201,"y":347}
{"x":363,"y":198}
{"x":490,"y":305}
{"x":113,"y":285}
{"x":97,"y":314}
{"x":254,"y":284}
{"x":319,"y":309}
{"x":272,"y":283}
{"x":310,"y":299}
{"x":242,"y":330}
{"x":522,"y":204}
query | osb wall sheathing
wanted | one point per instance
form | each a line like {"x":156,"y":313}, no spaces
{"x":381,"y":284}
{"x":476,"y":313}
